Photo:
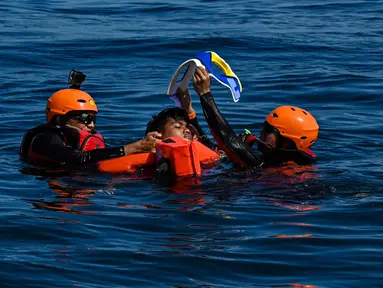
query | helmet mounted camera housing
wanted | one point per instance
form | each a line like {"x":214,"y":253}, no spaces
{"x":76,"y":78}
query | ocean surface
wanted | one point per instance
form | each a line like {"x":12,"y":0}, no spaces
{"x":319,"y":226}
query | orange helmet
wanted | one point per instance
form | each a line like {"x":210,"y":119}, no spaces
{"x":296,"y":124}
{"x":66,"y":100}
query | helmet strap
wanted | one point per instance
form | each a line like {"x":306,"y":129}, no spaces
{"x":277,"y":148}
{"x":73,"y":127}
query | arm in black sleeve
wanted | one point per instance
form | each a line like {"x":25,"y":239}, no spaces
{"x":202,"y":137}
{"x":52,"y":146}
{"x":240,"y":153}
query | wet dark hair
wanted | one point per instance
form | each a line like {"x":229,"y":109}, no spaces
{"x":159,"y":121}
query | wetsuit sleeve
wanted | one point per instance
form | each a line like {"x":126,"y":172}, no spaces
{"x":239,"y":152}
{"x":202,"y":137}
{"x":52,"y":146}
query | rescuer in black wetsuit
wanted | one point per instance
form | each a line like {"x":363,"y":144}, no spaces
{"x":287,"y":135}
{"x":69,"y":139}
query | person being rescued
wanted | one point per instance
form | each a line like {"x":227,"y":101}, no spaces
{"x":287,"y":135}
{"x":182,"y":152}
{"x":178,"y":127}
{"x":69,"y":138}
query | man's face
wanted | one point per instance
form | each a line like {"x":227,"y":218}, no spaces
{"x":83,"y":121}
{"x":268,"y":138}
{"x":177,"y":128}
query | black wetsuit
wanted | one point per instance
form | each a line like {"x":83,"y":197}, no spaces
{"x":238,"y":151}
{"x":50,"y":146}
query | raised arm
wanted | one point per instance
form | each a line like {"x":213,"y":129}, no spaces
{"x":240,"y":153}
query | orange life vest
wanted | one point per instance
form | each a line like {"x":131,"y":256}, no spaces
{"x":186,"y":158}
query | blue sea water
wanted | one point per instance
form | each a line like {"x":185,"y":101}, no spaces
{"x":321,"y":227}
